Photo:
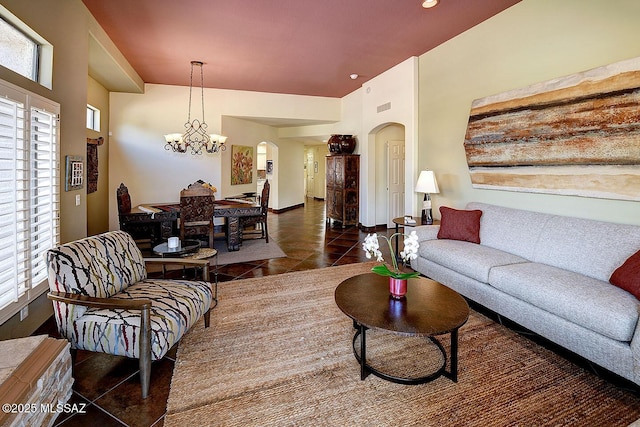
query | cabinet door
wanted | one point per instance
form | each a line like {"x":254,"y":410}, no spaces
{"x":331,"y":172}
{"x":339,"y":171}
{"x":338,"y":204}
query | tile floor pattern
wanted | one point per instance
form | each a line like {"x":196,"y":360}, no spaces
{"x":110,"y":386}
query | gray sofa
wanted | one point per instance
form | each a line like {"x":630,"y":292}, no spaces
{"x":549,"y":274}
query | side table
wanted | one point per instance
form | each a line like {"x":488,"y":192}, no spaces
{"x":186,"y":247}
{"x":402,"y":222}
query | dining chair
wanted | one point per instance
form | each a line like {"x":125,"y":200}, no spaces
{"x":258,"y":221}
{"x":197,"y":205}
{"x":145,"y":233}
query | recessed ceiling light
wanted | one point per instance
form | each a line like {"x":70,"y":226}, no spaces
{"x":429,"y":3}
{"x":354,"y":76}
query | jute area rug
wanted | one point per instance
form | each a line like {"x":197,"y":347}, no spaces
{"x":278,"y":353}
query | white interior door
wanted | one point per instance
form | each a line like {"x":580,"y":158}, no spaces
{"x":395,"y":180}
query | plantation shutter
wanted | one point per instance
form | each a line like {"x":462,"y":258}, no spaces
{"x":29,"y":192}
{"x":44,"y":190}
{"x":12,"y":201}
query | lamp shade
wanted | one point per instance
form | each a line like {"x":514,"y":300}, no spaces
{"x":427,"y":183}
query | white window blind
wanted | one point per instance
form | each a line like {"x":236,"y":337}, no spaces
{"x":29,"y":194}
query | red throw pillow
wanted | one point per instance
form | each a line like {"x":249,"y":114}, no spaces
{"x":459,"y":224}
{"x":627,"y":276}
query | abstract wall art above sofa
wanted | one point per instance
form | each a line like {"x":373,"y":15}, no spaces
{"x":575,"y":135}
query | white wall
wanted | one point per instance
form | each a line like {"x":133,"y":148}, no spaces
{"x":399,"y":87}
{"x":245,"y":133}
{"x":360,"y":117}
{"x":533,"y":41}
{"x":152,"y":174}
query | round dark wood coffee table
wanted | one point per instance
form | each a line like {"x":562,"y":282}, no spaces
{"x":429,"y":309}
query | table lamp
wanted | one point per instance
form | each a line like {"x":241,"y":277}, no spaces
{"x":427,"y":184}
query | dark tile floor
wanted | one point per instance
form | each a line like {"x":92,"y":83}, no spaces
{"x":109,"y":386}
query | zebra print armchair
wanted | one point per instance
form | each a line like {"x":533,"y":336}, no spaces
{"x":104,"y":302}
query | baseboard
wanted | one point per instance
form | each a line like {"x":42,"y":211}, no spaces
{"x":289,"y":208}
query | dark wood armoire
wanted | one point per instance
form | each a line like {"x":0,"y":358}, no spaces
{"x":343,"y":188}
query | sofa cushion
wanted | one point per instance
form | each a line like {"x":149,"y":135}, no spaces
{"x":593,"y":248}
{"x":627,"y":276}
{"x":474,"y":261}
{"x":459,"y":224}
{"x":591,"y":303}
{"x":511,"y":230}
{"x":176,"y":306}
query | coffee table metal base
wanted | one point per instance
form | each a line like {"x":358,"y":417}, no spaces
{"x":366,"y":369}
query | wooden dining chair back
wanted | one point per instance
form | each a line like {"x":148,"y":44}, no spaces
{"x":259,"y":221}
{"x":144,"y":233}
{"x":124,"y":199}
{"x":197,"y":205}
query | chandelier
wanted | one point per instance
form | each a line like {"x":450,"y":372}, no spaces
{"x":195,"y":136}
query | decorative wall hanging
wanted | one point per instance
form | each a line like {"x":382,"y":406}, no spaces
{"x":241,"y":164}
{"x":575,"y":135}
{"x":92,"y":163}
{"x":74,"y":173}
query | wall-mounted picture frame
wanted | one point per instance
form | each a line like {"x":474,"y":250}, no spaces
{"x":269,"y":167}
{"x":74,"y":173}
{"x":241,"y":164}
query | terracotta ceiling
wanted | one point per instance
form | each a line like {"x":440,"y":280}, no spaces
{"x":303,"y":47}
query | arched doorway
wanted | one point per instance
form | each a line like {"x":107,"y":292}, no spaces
{"x":390,"y":173}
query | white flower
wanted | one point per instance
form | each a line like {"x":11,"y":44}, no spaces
{"x":411,"y":246}
{"x":372,"y":247}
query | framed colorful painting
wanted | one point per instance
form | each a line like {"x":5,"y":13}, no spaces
{"x":241,"y":164}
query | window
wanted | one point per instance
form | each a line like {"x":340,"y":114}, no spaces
{"x":19,"y":53}
{"x":93,"y":118}
{"x":29,"y":194}
{"x":24,"y":51}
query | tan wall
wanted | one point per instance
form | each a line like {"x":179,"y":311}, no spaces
{"x":533,"y":41}
{"x":98,"y":201}
{"x":64,"y":25}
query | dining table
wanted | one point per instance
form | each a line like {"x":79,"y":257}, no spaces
{"x":167,"y":215}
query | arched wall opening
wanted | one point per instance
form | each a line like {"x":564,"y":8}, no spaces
{"x":386,"y":148}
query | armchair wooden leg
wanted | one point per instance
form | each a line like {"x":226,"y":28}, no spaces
{"x":207,"y":318}
{"x":145,"y":350}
